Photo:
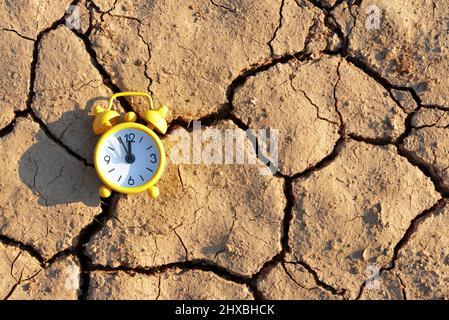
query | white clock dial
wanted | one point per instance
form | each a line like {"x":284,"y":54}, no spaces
{"x":128,"y":158}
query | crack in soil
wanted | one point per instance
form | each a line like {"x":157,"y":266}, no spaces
{"x":404,"y":293}
{"x":17,"y":33}
{"x":411,"y":230}
{"x":24,"y":247}
{"x":338,"y":146}
{"x":317,"y":3}
{"x":198,"y":264}
{"x":20,"y":280}
{"x":10,"y":127}
{"x":77,"y":249}
{"x":427,"y":169}
{"x":139,"y":34}
{"x":231,"y":10}
{"x":383,"y":82}
{"x":107,"y":80}
{"x":331,"y":23}
{"x":279,"y":26}
{"x":86,"y":235}
{"x":29,"y":111}
{"x":405,"y":238}
{"x":354,"y":16}
{"x":319,"y":282}
{"x":292,"y":278}
{"x":97,"y":8}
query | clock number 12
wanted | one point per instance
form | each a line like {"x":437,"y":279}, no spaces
{"x":130,"y":137}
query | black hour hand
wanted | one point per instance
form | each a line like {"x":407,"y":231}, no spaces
{"x":130,"y":157}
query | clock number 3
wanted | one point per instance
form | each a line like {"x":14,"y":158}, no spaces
{"x":153,"y":158}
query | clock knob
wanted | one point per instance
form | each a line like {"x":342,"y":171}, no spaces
{"x":156,"y":119}
{"x":130,"y":117}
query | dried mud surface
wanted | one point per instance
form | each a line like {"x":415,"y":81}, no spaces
{"x":357,"y":207}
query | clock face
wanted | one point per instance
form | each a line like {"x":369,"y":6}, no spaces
{"x":128,"y":158}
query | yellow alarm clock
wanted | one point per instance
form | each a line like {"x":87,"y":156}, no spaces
{"x":129,"y":157}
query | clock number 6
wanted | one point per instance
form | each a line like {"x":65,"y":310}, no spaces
{"x":131,"y":181}
{"x":153,"y":158}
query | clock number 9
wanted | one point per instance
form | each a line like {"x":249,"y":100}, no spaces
{"x":131,"y":181}
{"x":107,"y":159}
{"x":153,"y":158}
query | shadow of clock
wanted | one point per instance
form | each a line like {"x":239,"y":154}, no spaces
{"x":54,"y":174}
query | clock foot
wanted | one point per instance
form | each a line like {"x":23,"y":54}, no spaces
{"x":104,"y":192}
{"x":153,"y":191}
{"x":130,"y":117}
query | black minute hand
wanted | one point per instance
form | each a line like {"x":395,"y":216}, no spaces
{"x":129,"y":149}
{"x":121,"y":142}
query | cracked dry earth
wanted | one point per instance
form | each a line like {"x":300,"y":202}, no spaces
{"x":358,"y":206}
